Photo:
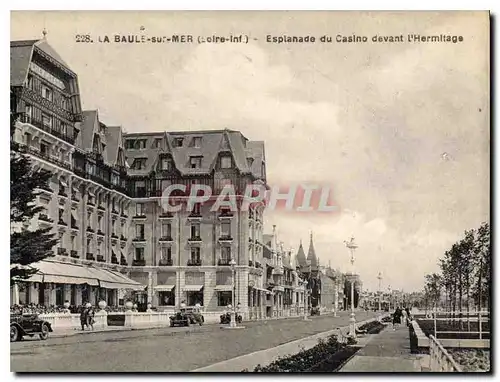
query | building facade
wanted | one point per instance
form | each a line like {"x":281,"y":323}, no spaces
{"x":325,"y":285}
{"x":104,"y":202}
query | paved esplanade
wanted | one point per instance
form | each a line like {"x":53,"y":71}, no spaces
{"x":169,"y":349}
{"x":388,"y":351}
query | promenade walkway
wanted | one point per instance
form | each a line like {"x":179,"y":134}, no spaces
{"x":389,"y":351}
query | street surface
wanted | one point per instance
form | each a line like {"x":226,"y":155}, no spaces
{"x":166,"y":349}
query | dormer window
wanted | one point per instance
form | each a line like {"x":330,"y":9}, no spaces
{"x":226,"y":162}
{"x":157,"y":144}
{"x":139,"y":164}
{"x":135,"y":144}
{"x":178,"y":142}
{"x":166,"y":164}
{"x":197,"y":142}
{"x":195,"y":162}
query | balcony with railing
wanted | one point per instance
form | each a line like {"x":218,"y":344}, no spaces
{"x":74,"y":254}
{"x":90,"y":256}
{"x":194,"y":239}
{"x":165,"y":239}
{"x":139,"y":239}
{"x":224,"y":262}
{"x":139,"y":217}
{"x":62,"y":223}
{"x":194,"y":216}
{"x":62,"y":192}
{"x":62,"y":252}
{"x":250,"y":263}
{"x":25,"y":118}
{"x":90,"y":230}
{"x":225,"y":239}
{"x":123,"y":261}
{"x":165,"y":262}
{"x":114,"y":259}
{"x":194,"y":262}
{"x":226,"y":215}
{"x":258,"y":265}
{"x":100,"y":258}
{"x":138,"y":263}
{"x":100,"y":233}
{"x":166,"y":216}
{"x":45,"y":156}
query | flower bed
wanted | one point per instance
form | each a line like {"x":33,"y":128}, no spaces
{"x":328,"y":355}
{"x":373,"y":327}
{"x":427,"y":327}
{"x":472,"y":360}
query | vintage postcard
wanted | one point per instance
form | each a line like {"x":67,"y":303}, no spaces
{"x":250,"y":191}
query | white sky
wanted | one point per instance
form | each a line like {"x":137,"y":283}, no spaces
{"x":371,"y":120}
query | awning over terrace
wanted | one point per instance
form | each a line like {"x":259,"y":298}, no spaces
{"x":64,"y":273}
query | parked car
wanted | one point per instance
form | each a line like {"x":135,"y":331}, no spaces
{"x":186,"y":317}
{"x":315,"y":311}
{"x":28,"y":325}
{"x":195,"y":316}
{"x":226,"y":318}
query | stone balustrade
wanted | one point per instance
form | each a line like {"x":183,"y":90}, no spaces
{"x":69,"y":321}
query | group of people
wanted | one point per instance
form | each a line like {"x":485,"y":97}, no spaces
{"x":401,"y":317}
{"x":35,"y":309}
{"x":87,"y":316}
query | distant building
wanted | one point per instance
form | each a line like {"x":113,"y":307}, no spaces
{"x":324,"y":283}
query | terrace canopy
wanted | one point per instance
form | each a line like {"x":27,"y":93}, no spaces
{"x":65,"y":273}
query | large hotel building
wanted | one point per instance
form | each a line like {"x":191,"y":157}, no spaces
{"x":116,"y":241}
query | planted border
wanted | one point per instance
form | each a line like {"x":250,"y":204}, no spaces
{"x":325,"y":356}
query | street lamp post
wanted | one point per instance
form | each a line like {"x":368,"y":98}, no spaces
{"x":390,"y":295}
{"x":352,"y":322}
{"x":304,"y":283}
{"x":232,"y":324}
{"x":379,"y":291}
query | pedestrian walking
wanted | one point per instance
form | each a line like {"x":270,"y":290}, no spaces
{"x":396,"y":318}
{"x":404,"y":314}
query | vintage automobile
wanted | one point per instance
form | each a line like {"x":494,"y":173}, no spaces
{"x":186,"y":317}
{"x":226,"y":318}
{"x":315,"y":311}
{"x":28,"y":325}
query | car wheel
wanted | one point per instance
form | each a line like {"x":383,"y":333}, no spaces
{"x":14,"y":333}
{"x":45,"y":332}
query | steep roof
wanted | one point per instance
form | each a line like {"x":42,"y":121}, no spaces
{"x":301,"y":256}
{"x":87,"y":126}
{"x":213,"y":143}
{"x":113,"y":143}
{"x":44,"y":45}
{"x":21,"y":53}
{"x":311,"y":254}
{"x":20,"y":58}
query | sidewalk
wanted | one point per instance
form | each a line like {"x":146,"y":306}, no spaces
{"x":388,"y":351}
{"x":267,"y":356}
{"x":71,"y":332}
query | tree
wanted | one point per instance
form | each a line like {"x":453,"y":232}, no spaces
{"x":26,"y":246}
{"x":433,"y":288}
